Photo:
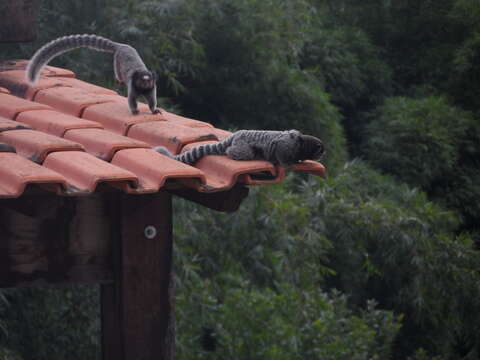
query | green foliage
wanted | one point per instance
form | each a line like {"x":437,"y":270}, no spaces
{"x":3,"y":306}
{"x":418,"y":140}
{"x":359,"y":232}
{"x":465,"y":63}
{"x":418,"y":38}
{"x":462,"y":193}
{"x":349,"y":66}
{"x":54,"y":324}
{"x":269,"y":240}
{"x":392,"y":245}
{"x":6,"y":354}
{"x":250,"y":323}
{"x":421,"y":354}
{"x":56,"y":19}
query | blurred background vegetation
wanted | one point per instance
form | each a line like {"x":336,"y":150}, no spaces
{"x":378,"y":261}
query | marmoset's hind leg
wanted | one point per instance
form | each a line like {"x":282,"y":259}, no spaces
{"x":240,"y":150}
{"x":117,"y":68}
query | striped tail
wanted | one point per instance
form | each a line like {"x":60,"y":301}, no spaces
{"x":61,"y":45}
{"x":192,"y":156}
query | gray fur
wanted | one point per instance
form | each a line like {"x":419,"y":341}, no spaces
{"x":284,"y":148}
{"x":126,"y":63}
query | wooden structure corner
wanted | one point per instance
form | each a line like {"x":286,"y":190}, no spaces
{"x":123,"y":242}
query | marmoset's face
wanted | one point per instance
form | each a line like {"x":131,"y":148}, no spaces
{"x":144,"y":80}
{"x":312,"y":148}
{"x":318,"y":150}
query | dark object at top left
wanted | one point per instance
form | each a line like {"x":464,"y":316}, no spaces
{"x":18,"y":20}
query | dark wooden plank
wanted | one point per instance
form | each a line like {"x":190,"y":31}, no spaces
{"x":225,"y":201}
{"x":137,"y":310}
{"x":54,"y":240}
{"x":18,"y":20}
{"x":89,"y":223}
{"x":27,"y":238}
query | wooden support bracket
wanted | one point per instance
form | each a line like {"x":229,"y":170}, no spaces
{"x":225,"y":201}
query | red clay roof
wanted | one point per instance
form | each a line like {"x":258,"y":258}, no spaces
{"x":71,"y":136}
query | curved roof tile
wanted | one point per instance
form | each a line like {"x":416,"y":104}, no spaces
{"x":36,"y":145}
{"x":154,"y":170}
{"x":7,"y":124}
{"x":84,"y":172}
{"x":11,"y":106}
{"x":102,"y":143}
{"x":116,"y":116}
{"x":54,"y":122}
{"x":17,"y":173}
{"x":170,"y":134}
{"x":71,"y":100}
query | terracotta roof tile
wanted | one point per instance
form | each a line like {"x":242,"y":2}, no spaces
{"x":84,"y":172}
{"x":116,"y":117}
{"x":11,"y":106}
{"x":222,"y":173}
{"x":76,"y":83}
{"x":54,"y":122}
{"x":180,"y":120}
{"x":17,"y":173}
{"x":221,"y":134}
{"x":17,"y":77}
{"x":170,"y":134}
{"x":7,"y":124}
{"x":74,"y":138}
{"x":101,"y":143}
{"x":312,"y":167}
{"x":153,"y":169}
{"x":11,"y":65}
{"x":70,"y":100}
{"x":35,"y":145}
{"x":13,"y":77}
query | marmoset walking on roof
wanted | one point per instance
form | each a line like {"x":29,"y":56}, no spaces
{"x":127,"y":64}
{"x":283,"y":148}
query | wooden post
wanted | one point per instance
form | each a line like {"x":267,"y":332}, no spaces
{"x":137,"y":309}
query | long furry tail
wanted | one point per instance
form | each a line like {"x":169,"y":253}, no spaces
{"x":163,"y":150}
{"x":61,"y":45}
{"x":192,"y":156}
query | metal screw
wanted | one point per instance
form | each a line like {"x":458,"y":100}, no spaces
{"x":150,"y":232}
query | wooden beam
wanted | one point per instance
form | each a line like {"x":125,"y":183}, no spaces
{"x":225,"y":201}
{"x":18,"y":20}
{"x":137,"y":309}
